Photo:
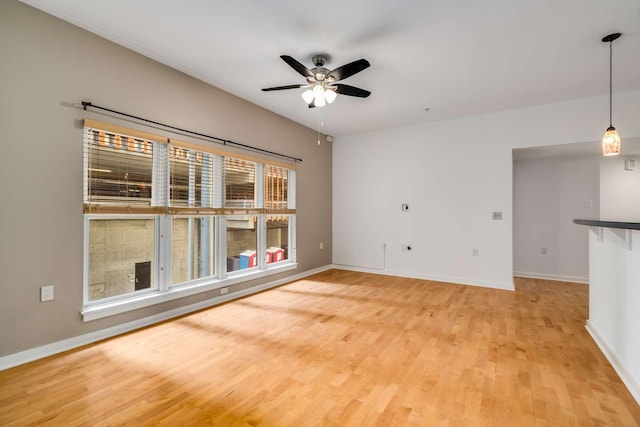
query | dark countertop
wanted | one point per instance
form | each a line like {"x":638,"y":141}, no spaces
{"x":609,"y":224}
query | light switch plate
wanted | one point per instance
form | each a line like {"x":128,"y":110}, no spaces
{"x":46,"y":293}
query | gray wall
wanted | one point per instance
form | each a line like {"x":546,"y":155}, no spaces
{"x":620,"y":188}
{"x":46,"y":66}
{"x":548,"y":193}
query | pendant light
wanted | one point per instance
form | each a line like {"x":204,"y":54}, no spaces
{"x":611,"y":139}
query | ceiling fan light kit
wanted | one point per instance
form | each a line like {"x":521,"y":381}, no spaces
{"x":321,"y":87}
{"x":330,"y":96}
{"x":308,"y":96}
{"x":319,"y":96}
{"x":611,"y":139}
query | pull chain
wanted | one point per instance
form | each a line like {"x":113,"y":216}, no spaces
{"x":320,"y":124}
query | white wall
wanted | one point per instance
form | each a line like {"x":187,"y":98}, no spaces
{"x":548,"y":194}
{"x":453,"y":174}
{"x":620,"y":190}
{"x":614,"y":318}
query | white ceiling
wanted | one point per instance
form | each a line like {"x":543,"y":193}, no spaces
{"x":458,"y":58}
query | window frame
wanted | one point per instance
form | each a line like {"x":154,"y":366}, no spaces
{"x":163,"y":213}
{"x":198,"y":280}
{"x":156,"y":251}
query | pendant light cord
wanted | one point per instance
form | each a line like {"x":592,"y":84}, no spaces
{"x":610,"y":82}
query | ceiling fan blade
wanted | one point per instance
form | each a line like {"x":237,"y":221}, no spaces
{"x":267,"y":89}
{"x":304,"y":71}
{"x":349,"y":69}
{"x":351,"y":91}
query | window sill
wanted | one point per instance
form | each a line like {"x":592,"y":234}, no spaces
{"x":100,"y":311}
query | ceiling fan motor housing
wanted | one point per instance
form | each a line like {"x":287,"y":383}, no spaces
{"x":319,"y":72}
{"x":320,"y":59}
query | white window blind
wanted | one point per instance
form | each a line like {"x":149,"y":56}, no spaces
{"x":192,"y":179}
{"x":129,"y":171}
{"x":276,"y":188}
{"x":291,"y":196}
{"x":119,"y":171}
{"x":239,"y":183}
{"x":159,"y":189}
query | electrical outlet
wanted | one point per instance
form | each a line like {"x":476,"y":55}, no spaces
{"x":405,"y":207}
{"x":224,"y":291}
{"x":46,"y":293}
{"x":476,"y":251}
{"x":497,"y":216}
{"x":321,"y":245}
{"x":407,"y":247}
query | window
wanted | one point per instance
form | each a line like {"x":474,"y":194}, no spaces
{"x":192,"y":248}
{"x":242,"y":242}
{"x":119,"y":168}
{"x":121,"y":255}
{"x":192,"y":180}
{"x":239,"y":183}
{"x":276,"y":187}
{"x":277,"y":200}
{"x":165,"y":217}
{"x":277,"y":238}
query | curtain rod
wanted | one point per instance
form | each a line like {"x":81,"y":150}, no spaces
{"x":88,"y":104}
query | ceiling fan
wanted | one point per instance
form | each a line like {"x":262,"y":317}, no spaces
{"x":321,"y":83}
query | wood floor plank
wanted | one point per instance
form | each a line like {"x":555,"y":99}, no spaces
{"x":341,"y":349}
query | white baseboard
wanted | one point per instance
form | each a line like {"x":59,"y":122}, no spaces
{"x":557,"y":277}
{"x":36,"y":353}
{"x":507,"y":286}
{"x":633,"y":385}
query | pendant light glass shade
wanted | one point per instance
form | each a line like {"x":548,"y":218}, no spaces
{"x":611,"y":139}
{"x":611,"y":142}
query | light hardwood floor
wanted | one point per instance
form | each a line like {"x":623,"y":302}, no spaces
{"x":341,"y":349}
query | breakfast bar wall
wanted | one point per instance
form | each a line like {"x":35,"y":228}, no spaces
{"x":614,"y":295}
